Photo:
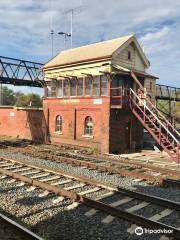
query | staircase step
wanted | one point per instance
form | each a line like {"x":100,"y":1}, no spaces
{"x":166,"y":143}
{"x":157,"y":126}
{"x":169,"y":147}
{"x":151,"y":125}
{"x":156,"y":131}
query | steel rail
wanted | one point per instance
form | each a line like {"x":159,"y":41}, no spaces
{"x":79,"y":178}
{"x":124,"y":161}
{"x":19,"y":229}
{"x":148,"y":198}
{"x":109,"y":169}
{"x":171,"y":182}
{"x":117,"y":168}
{"x":131,"y":193}
{"x":95,"y":204}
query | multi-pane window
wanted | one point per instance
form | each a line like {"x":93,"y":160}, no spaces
{"x":59,"y":88}
{"x":88,"y":82}
{"x":103,"y":85}
{"x":80,"y":87}
{"x":96,"y":85}
{"x":66,"y":87}
{"x":51,"y":88}
{"x":88,"y":126}
{"x":73,"y":87}
{"x":58,"y":124}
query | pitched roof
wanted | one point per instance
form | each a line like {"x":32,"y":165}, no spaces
{"x":94,"y":51}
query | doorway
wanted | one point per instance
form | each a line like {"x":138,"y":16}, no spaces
{"x":128,"y":126}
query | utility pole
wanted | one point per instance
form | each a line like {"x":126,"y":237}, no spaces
{"x":65,"y":37}
{"x":73,"y":11}
{"x":52,"y":42}
{"x":51,"y":27}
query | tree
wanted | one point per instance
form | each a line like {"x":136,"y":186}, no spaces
{"x":8,"y":96}
{"x":29,"y":100}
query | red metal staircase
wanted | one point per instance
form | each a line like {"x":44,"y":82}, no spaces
{"x":156,"y":124}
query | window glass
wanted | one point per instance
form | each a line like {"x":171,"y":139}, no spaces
{"x":129,"y":55}
{"x":48,"y":88}
{"x":80,"y":87}
{"x":88,"y":126}
{"x":96,"y":85}
{"x":88,"y":86}
{"x":51,"y":88}
{"x":103,"y":85}
{"x":150,"y":86}
{"x":66,"y":87}
{"x":58,"y":124}
{"x":73,"y":87}
{"x":59,"y":88}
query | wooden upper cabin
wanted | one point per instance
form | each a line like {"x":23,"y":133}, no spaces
{"x":98,"y":70}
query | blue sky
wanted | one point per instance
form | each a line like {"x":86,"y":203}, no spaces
{"x":25,"y":29}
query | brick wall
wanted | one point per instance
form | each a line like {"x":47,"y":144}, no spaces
{"x":73,"y":113}
{"x":114,"y":130}
{"x":126,"y":133}
{"x":22,"y":123}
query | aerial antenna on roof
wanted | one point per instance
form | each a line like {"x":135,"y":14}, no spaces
{"x":73,"y":11}
{"x":143,"y":48}
{"x":51,"y":28}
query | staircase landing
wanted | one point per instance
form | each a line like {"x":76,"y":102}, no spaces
{"x":156,"y":124}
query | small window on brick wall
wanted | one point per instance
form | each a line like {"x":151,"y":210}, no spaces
{"x":88,"y":126}
{"x":58,"y":124}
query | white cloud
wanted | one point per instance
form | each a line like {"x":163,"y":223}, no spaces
{"x":25,"y":28}
{"x":156,"y":35}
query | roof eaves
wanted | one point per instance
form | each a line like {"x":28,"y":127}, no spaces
{"x":109,"y":57}
{"x":142,"y":54}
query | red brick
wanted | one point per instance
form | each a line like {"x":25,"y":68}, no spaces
{"x":22,"y":123}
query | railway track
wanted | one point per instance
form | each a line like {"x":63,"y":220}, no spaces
{"x":111,"y":200}
{"x":171,"y":182}
{"x":149,"y":173}
{"x":15,"y":230}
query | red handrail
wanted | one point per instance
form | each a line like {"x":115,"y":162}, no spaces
{"x":159,"y":126}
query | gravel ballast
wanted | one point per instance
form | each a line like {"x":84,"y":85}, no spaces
{"x":55,"y":221}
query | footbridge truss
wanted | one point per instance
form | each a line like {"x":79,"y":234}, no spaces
{"x":20,"y":72}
